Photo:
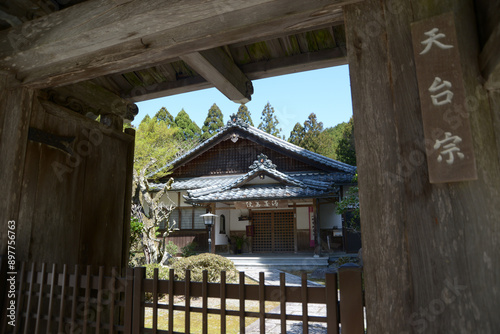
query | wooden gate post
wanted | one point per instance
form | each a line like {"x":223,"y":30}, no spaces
{"x":429,"y":250}
{"x":351,"y":299}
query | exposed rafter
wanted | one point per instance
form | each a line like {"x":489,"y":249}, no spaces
{"x":216,"y":66}
{"x":90,"y":39}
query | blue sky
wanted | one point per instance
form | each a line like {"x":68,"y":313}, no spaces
{"x":325,"y":92}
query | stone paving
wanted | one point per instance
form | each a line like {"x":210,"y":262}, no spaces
{"x":271,"y":277}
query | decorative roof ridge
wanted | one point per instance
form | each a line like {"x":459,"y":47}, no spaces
{"x":261,"y":165}
{"x":236,"y":122}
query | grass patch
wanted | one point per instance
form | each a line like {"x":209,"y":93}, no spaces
{"x":214,"y":320}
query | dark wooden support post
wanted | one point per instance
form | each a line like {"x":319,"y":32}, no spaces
{"x":138,"y":300}
{"x":351,"y":299}
{"x":428,"y":249}
{"x":15,"y":113}
{"x":128,"y":194}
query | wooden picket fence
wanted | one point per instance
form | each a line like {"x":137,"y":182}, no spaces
{"x":49,"y":300}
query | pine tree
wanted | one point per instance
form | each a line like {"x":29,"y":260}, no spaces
{"x":297,"y":134}
{"x":244,"y":114}
{"x":213,"y":122}
{"x":164,"y":116}
{"x":269,"y":121}
{"x":312,"y":131}
{"x":189,"y":129}
{"x":346,"y":152}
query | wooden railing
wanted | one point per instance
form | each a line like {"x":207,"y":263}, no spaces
{"x":48,"y":302}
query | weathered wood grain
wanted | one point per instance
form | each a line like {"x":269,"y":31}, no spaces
{"x":428,"y":250}
{"x":15,"y":112}
{"x":101,"y":37}
{"x":99,"y":100}
{"x":216,"y":66}
{"x":489,"y":60}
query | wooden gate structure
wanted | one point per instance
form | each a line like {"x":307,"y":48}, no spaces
{"x":64,"y":299}
{"x":429,"y":249}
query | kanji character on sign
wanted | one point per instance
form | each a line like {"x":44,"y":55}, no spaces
{"x":449,"y":147}
{"x":433,"y":40}
{"x":437,"y":85}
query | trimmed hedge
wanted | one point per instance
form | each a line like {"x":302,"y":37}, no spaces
{"x":213,"y":263}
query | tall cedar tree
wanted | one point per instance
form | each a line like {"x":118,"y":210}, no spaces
{"x":312,"y":131}
{"x":164,"y":116}
{"x":346,"y":152}
{"x":213,"y":122}
{"x":189,"y":129}
{"x":297,"y":134}
{"x":269,"y":121}
{"x":244,"y":114}
{"x":329,"y":140}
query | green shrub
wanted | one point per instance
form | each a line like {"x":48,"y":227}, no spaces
{"x":188,"y":250}
{"x":346,"y":259}
{"x":172,"y":248}
{"x":162,"y":271}
{"x":213,"y":263}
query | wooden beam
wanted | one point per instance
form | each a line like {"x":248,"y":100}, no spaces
{"x":258,"y":70}
{"x":489,"y":60}
{"x":94,"y":98}
{"x":299,"y":63}
{"x":167,"y":88}
{"x":216,"y":66}
{"x":96,"y":38}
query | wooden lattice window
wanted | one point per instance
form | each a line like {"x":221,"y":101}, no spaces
{"x":273,"y":231}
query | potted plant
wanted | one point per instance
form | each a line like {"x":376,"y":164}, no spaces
{"x":239,"y":241}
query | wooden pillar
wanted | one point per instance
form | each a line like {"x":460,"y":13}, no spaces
{"x":15,"y":113}
{"x":429,"y":250}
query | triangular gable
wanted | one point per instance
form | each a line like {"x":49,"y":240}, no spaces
{"x":262,"y":166}
{"x":236,"y":130}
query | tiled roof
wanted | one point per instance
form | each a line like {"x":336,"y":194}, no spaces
{"x":297,"y":185}
{"x":235,"y":123}
{"x":258,"y":192}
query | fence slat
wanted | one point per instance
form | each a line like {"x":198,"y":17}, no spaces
{"x":129,"y":299}
{"x":62,"y":305}
{"x":204,"y":294}
{"x":351,"y":299}
{"x":53,"y":283}
{"x":155,"y":300}
{"x":138,"y":300}
{"x":332,"y":321}
{"x":40,"y":299}
{"x":242,"y":301}
{"x":87,"y":300}
{"x":262,"y":303}
{"x":112,"y":300}
{"x":20,"y":296}
{"x":283,"y":302}
{"x":305,"y":323}
{"x":223,"y":302}
{"x":187,"y":294}
{"x":100,"y":284}
{"x":76,"y":288}
{"x":171,"y":301}
{"x":30,"y":292}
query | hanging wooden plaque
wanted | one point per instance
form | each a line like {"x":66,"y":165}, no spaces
{"x":448,"y":138}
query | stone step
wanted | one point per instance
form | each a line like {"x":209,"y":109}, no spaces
{"x":297,"y":263}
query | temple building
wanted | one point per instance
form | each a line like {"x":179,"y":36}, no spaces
{"x":263,"y":189}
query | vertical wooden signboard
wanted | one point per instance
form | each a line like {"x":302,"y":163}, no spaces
{"x":450,"y":152}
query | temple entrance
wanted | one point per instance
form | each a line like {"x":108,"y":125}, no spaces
{"x":273,"y":231}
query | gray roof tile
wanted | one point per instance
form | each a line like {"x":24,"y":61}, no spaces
{"x":238,"y":124}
